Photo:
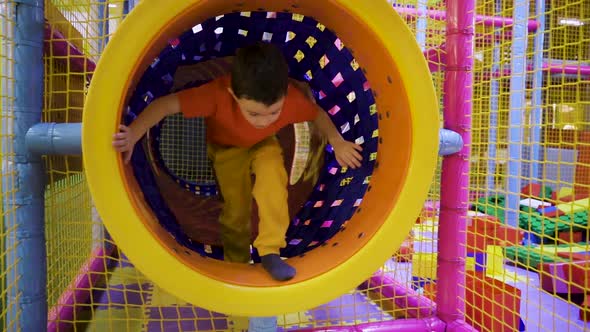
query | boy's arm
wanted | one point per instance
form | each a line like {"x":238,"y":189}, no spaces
{"x":127,"y":137}
{"x":327,"y":128}
{"x":347,"y":153}
{"x":154,"y":113}
{"x":194,"y":102}
{"x":303,"y":87}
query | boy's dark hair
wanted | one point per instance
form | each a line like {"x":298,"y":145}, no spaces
{"x":260,"y":72}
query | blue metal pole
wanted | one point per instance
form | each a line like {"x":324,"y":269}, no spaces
{"x":7,"y":77}
{"x":55,"y":139}
{"x":103,"y":23}
{"x":132,"y":4}
{"x":263,"y":324}
{"x":48,"y":138}
{"x":536,"y":153}
{"x":517,"y":109}
{"x":421,"y":23}
{"x":26,"y":241}
{"x":494,"y":108}
{"x":450,"y":142}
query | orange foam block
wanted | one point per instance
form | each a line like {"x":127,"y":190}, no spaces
{"x":567,"y":198}
{"x":483,"y":231}
{"x":406,"y":250}
{"x":487,"y":299}
{"x":566,"y":277}
{"x":569,"y":237}
{"x":532,"y":189}
{"x":575,"y":256}
{"x":559,"y":278}
{"x":580,"y":274}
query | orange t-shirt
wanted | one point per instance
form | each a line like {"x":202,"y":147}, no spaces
{"x":226,"y":124}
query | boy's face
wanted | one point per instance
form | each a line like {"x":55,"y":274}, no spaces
{"x":258,"y":114}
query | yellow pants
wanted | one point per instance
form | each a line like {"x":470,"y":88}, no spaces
{"x":233,"y":167}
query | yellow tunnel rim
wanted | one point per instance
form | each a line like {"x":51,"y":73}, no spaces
{"x":115,"y":204}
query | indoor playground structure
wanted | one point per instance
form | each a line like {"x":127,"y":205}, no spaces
{"x":469,"y":213}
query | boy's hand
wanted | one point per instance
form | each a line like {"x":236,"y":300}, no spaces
{"x":348,"y":153}
{"x":124,"y":141}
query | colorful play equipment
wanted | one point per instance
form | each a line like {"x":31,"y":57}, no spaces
{"x":475,"y":222}
{"x":549,"y":216}
{"x":403,"y":88}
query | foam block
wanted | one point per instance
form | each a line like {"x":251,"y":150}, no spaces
{"x":418,"y":282}
{"x":555,"y":278}
{"x":580,"y":274}
{"x":488,"y":230}
{"x":476,"y":261}
{"x":571,"y":198}
{"x":494,"y":261}
{"x":508,"y":236}
{"x":575,"y":206}
{"x":486,"y":300}
{"x":564,"y":191}
{"x":471,"y":214}
{"x":532,"y":189}
{"x":483,"y":221}
{"x":565,"y":277}
{"x":569,"y":237}
{"x":404,"y":254}
{"x":534,"y":203}
{"x":575,"y":256}
{"x":550,"y":211}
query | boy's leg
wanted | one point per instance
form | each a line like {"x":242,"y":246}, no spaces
{"x":270,"y":193}
{"x":233,"y":176}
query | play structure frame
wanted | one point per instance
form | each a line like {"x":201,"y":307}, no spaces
{"x":32,"y":138}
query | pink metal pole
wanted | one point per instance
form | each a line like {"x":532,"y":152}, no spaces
{"x":567,"y":69}
{"x":416,"y":305}
{"x":436,"y":62}
{"x":61,"y":316}
{"x":495,"y":21}
{"x":450,"y":295}
{"x":402,"y":325}
{"x":63,"y":49}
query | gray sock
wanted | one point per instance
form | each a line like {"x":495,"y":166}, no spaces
{"x":277,"y":268}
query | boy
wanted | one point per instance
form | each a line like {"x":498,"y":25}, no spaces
{"x":243,"y":111}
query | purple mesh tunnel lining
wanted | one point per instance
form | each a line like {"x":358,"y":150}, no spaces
{"x":315,"y":55}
